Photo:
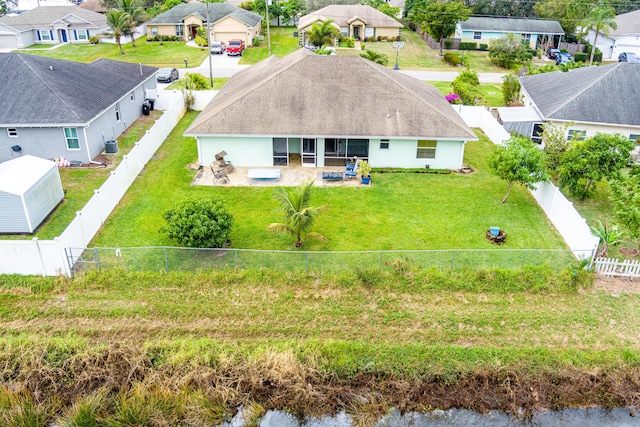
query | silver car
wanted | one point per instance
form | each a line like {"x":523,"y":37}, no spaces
{"x":218,"y":48}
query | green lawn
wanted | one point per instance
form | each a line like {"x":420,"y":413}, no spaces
{"x":282,"y":44}
{"x":167,"y":54}
{"x":491,"y":93}
{"x":400,"y":211}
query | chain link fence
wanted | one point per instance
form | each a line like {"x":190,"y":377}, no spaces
{"x":186,"y":259}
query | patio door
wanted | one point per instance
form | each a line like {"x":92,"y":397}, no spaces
{"x":309,"y":148}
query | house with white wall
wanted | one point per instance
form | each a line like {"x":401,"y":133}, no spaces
{"x":625,"y":38}
{"x":483,"y":29}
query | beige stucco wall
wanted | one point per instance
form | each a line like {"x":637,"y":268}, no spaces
{"x":192,"y":20}
{"x":163,"y":30}
{"x":386,"y":31}
{"x":230,"y":28}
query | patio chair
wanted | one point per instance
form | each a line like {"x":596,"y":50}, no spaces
{"x":219,"y":175}
{"x":351,"y":169}
{"x":223,"y":164}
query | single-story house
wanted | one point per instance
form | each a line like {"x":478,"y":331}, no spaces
{"x":625,"y":38}
{"x":321,"y":110}
{"x":55,"y":108}
{"x":226,"y":22}
{"x":30,"y":188}
{"x":591,"y":99}
{"x":484,"y":29}
{"x":356,"y":20}
{"x":50,"y":25}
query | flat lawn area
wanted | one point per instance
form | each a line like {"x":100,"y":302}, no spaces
{"x":491,"y":93}
{"x":400,"y":211}
{"x":282,"y":44}
{"x":168,"y":54}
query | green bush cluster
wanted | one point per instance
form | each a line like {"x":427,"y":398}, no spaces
{"x":465,"y":85}
{"x":164,"y":38}
{"x":448,"y":43}
{"x":483,"y":46}
{"x":94,"y":39}
{"x":199,"y":223}
{"x":468,"y":46}
{"x":201,"y":41}
{"x":452,"y":58}
{"x":580,"y":57}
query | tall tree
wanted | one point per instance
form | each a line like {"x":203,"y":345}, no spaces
{"x":119,"y":23}
{"x":625,"y":199}
{"x":519,"y":161}
{"x":136,"y":13}
{"x":299,"y":214}
{"x":440,"y":19}
{"x":586,"y":162}
{"x":292,"y":9}
{"x":601,"y":19}
{"x":322,"y":33}
{"x":5,"y":5}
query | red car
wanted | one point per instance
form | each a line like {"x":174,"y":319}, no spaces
{"x":235,"y":47}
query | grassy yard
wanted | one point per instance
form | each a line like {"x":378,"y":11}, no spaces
{"x":400,"y":211}
{"x":491,"y":93}
{"x":167,"y":54}
{"x":282,"y":44}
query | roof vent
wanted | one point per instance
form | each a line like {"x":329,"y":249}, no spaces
{"x":50,"y":67}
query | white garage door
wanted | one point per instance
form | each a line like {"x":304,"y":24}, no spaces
{"x":8,"y":42}
{"x":225,"y":37}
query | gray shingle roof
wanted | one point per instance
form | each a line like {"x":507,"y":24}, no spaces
{"x":308,"y":94}
{"x":512,"y":25}
{"x":342,"y":13}
{"x":71,"y":93}
{"x":604,"y":94}
{"x":628,"y":23}
{"x":42,"y":17}
{"x":217,"y":11}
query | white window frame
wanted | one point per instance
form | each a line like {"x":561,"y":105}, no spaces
{"x":82,"y":35}
{"x":384,"y":144}
{"x":427,"y":150}
{"x":154,"y":31}
{"x":526,"y":38}
{"x":477,"y":35}
{"x":133,"y":96}
{"x":576,"y":134}
{"x":117,"y":111}
{"x":68,"y":138}
{"x":180,"y":30}
{"x":12,"y":132}
{"x":44,"y":33}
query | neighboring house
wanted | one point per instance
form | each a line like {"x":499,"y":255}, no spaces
{"x":593,"y":99}
{"x":54,"y":108}
{"x":484,"y":29}
{"x":50,"y":25}
{"x":625,"y":38}
{"x":320,"y":110}
{"x":357,"y":21}
{"x":227,"y":22}
{"x":93,"y":5}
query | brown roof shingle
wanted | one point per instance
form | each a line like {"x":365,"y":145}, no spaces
{"x":335,"y":96}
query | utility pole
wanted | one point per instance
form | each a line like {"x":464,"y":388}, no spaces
{"x":209,"y":46}
{"x":267,"y":3}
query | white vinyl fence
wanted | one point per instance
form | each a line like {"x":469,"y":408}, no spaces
{"x":613,"y":267}
{"x":560,"y":211}
{"x":48,"y":257}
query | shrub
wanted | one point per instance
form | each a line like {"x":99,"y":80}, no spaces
{"x":451,"y":58}
{"x":465,"y":85}
{"x":164,"y":38}
{"x":94,"y":39}
{"x":362,"y":46}
{"x":201,"y":41}
{"x":448,"y":43}
{"x":508,"y":51}
{"x":256,"y":41}
{"x":580,"y":57}
{"x":468,"y":76}
{"x":452,"y":98}
{"x":484,"y":46}
{"x":468,"y":45}
{"x":199,"y":223}
{"x":350,"y":42}
{"x":511,"y":89}
{"x":196,"y":81}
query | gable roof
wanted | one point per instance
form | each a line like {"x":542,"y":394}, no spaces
{"x":308,"y":94}
{"x":604,"y":94}
{"x":342,"y":14}
{"x":42,"y":17}
{"x":217,"y":11}
{"x":93,"y":5}
{"x":512,"y":25}
{"x":628,"y":23}
{"x":69,"y":93}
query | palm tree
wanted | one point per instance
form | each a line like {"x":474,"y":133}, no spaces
{"x":136,"y":13}
{"x":322,"y":33}
{"x":601,"y":19}
{"x":119,"y":23}
{"x":378,"y":58}
{"x":299,"y":215}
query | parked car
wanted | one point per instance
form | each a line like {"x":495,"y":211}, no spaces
{"x":628,"y":57}
{"x":218,"y":48}
{"x":563,"y":58}
{"x":235,"y":47}
{"x":167,"y":75}
{"x":552,"y":53}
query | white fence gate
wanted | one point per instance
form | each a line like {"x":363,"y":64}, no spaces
{"x":613,"y":267}
{"x":48,"y":257}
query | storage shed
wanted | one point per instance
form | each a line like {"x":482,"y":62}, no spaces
{"x":30,"y":188}
{"x":524,"y":121}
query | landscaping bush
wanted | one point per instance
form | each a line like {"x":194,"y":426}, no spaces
{"x":164,"y":38}
{"x":451,"y":58}
{"x":465,"y":85}
{"x":201,"y":41}
{"x":511,"y":89}
{"x":94,"y":39}
{"x":484,"y":46}
{"x":580,"y":57}
{"x":199,"y":223}
{"x":468,"y":46}
{"x":508,"y":51}
{"x":448,"y":43}
{"x":256,"y":41}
